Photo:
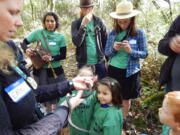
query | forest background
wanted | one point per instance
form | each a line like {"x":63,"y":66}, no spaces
{"x":155,"y":18}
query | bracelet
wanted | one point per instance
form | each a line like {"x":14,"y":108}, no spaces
{"x":83,"y":27}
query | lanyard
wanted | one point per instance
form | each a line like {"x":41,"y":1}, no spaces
{"x":29,"y":80}
{"x":20,"y":72}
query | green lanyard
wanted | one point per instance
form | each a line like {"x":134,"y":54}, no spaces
{"x":20,"y":72}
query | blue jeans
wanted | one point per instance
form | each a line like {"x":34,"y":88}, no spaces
{"x":100,"y":69}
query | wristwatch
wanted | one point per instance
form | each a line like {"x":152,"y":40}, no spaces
{"x":71,"y":85}
{"x":83,"y":27}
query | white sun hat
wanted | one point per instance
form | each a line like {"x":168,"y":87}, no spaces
{"x":124,"y":10}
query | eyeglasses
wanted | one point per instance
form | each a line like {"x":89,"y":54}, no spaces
{"x":124,"y":22}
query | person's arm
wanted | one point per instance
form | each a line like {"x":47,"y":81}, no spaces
{"x":109,"y":51}
{"x":61,"y":56}
{"x":142,"y":51}
{"x":78,"y":33}
{"x":24,"y":44}
{"x":103,"y":35}
{"x":48,"y":92}
{"x":51,"y":91}
{"x":164,"y":44}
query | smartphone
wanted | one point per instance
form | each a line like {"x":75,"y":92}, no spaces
{"x":119,"y":43}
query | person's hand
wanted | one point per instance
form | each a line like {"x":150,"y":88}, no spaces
{"x":175,"y":44}
{"x":29,"y":52}
{"x":47,"y":58}
{"x":82,"y":82}
{"x":86,"y":19}
{"x":118,"y":46}
{"x":127,"y":47}
{"x":74,"y":101}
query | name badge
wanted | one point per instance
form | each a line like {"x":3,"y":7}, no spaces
{"x":52,"y":43}
{"x":18,"y":90}
{"x":132,"y":41}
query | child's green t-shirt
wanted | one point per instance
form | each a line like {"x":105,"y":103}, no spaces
{"x":165,"y":130}
{"x":81,"y":115}
{"x":107,"y":120}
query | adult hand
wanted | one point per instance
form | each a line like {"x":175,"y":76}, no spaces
{"x":47,"y":58}
{"x":86,"y":19}
{"x":82,"y":82}
{"x":175,"y":44}
{"x":29,"y":52}
{"x":126,"y":46}
{"x":118,"y":46}
{"x":74,"y":101}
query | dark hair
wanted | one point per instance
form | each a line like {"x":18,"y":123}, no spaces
{"x":132,"y":27}
{"x":115,"y":89}
{"x":56,"y":18}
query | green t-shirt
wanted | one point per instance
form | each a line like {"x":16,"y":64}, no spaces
{"x":81,"y":115}
{"x":165,"y":130}
{"x":107,"y":120}
{"x":91,"y":44}
{"x":120,"y":60}
{"x":54,"y":39}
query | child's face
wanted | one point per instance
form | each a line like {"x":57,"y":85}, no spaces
{"x":165,"y":114}
{"x":104,"y":94}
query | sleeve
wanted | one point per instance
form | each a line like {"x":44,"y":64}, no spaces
{"x":109,"y":51}
{"x":24,"y":44}
{"x":103,"y":35}
{"x":52,"y":91}
{"x":113,"y":123}
{"x":61,"y":56}
{"x":33,"y":36}
{"x":77,"y":33}
{"x":50,"y":124}
{"x":163,"y":46}
{"x":142,"y":51}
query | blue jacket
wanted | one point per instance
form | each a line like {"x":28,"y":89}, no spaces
{"x":139,"y":50}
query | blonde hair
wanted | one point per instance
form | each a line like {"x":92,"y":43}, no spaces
{"x":82,"y":71}
{"x":173,"y":101}
{"x":7,"y":57}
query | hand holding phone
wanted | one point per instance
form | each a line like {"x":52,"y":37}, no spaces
{"x":119,"y":43}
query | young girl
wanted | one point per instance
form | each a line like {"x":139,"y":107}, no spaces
{"x":106,"y":103}
{"x":169,"y":113}
{"x":81,"y":115}
{"x":125,"y":45}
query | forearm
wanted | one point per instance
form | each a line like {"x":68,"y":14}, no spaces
{"x":48,"y":92}
{"x":78,"y":35}
{"x":50,"y":124}
{"x":24,"y":44}
{"x":61,"y":56}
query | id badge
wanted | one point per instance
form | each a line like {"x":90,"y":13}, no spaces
{"x":52,"y":43}
{"x":18,"y":90}
{"x":133,"y":41}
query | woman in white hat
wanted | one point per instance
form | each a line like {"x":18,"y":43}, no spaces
{"x":126,"y":44}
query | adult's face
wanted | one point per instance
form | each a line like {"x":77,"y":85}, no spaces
{"x":50,"y":23}
{"x":86,"y":10}
{"x":10,"y":18}
{"x":124,"y":23}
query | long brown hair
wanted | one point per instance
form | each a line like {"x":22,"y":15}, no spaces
{"x":115,"y":89}
{"x":132,"y":28}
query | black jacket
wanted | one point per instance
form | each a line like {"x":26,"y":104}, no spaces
{"x":79,"y":35}
{"x":20,"y":118}
{"x":164,"y":48}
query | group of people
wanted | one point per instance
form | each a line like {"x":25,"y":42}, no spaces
{"x":122,"y":48}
